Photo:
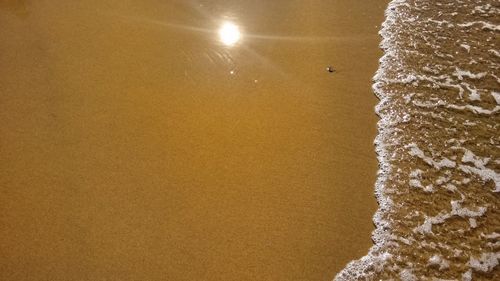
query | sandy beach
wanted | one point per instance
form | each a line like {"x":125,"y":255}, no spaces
{"x":137,"y":144}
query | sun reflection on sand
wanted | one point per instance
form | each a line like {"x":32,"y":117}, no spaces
{"x":229,"y":34}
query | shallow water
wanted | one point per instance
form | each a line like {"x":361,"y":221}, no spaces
{"x":438,"y":144}
{"x":135,"y":145}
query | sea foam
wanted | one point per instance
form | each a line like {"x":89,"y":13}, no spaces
{"x":438,"y":144}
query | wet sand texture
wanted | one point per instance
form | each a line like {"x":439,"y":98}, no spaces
{"x":135,"y":146}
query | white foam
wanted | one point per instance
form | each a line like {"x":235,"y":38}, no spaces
{"x":407,"y":275}
{"x":450,"y":187}
{"x":445,"y":168}
{"x":466,"y":47}
{"x":445,"y":162}
{"x":485,"y":263}
{"x":484,"y":173}
{"x":438,"y":260}
{"x":470,"y":157}
{"x":474,"y":95}
{"x":429,"y":188}
{"x":460,"y":74}
{"x":376,"y":257}
{"x":485,"y":25}
{"x":496,"y":96}
{"x":475,"y":109}
{"x":494,"y":52}
{"x":472,"y":222}
{"x":426,"y":227}
{"x":493,"y":235}
{"x":416,"y":183}
{"x":480,"y":169}
{"x":467,"y":276}
{"x":442,"y":180}
{"x":456,"y":210}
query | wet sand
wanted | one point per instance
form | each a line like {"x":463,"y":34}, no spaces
{"x":136,"y":146}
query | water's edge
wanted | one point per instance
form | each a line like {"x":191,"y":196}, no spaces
{"x":355,"y":269}
{"x":437,"y":145}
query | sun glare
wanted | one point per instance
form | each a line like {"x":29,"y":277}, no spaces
{"x":229,"y":34}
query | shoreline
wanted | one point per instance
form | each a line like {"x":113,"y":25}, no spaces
{"x":356,"y":269}
{"x":455,"y":183}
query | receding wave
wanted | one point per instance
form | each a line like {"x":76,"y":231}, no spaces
{"x":438,"y":144}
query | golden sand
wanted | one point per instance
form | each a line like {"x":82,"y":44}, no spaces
{"x":134,"y":145}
